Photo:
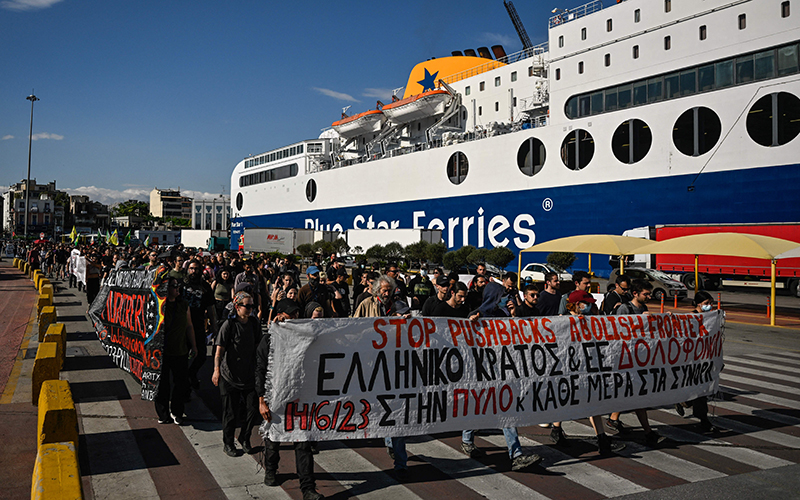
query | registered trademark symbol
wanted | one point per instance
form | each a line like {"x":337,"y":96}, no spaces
{"x":547,"y":204}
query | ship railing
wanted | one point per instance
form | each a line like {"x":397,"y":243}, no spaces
{"x":537,"y":50}
{"x":449,"y":139}
{"x":567,"y":15}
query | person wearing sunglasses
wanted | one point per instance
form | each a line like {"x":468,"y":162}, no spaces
{"x":234,"y":373}
{"x":618,"y":296}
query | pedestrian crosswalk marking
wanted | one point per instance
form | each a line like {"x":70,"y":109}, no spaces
{"x":759,"y":371}
{"x":760,"y":383}
{"x":764,"y":413}
{"x":471,"y":473}
{"x":578,"y":471}
{"x":740,"y":454}
{"x":344,"y":464}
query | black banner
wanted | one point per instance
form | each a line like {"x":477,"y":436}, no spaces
{"x":127,"y":315}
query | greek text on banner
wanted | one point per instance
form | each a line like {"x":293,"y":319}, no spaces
{"x":390,"y":376}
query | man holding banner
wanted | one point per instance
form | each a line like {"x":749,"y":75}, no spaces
{"x":285,"y":309}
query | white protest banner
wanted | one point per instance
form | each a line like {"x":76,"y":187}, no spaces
{"x":377,"y":377}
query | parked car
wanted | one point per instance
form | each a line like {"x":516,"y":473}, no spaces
{"x":663,"y":285}
{"x":536,"y":272}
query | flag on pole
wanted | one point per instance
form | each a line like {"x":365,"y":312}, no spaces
{"x":73,"y":235}
{"x":99,"y":236}
{"x":127,"y":240}
{"x":147,"y":241}
{"x":114,"y":238}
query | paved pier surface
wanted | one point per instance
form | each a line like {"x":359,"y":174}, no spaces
{"x":125,"y":453}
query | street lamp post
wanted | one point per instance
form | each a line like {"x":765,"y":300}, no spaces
{"x":33,"y":99}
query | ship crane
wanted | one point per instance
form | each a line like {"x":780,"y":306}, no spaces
{"x":523,"y":35}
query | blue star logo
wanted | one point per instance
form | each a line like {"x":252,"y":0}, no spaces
{"x":429,"y":82}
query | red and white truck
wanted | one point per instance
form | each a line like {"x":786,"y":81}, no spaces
{"x":716,"y":271}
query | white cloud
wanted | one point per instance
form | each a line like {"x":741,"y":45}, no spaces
{"x":336,"y":95}
{"x":499,"y":39}
{"x":46,"y":135}
{"x":385,"y":94}
{"x":112,"y":196}
{"x":7,"y":137}
{"x":27,"y":4}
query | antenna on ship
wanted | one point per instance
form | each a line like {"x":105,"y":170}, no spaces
{"x":395,"y":92}
{"x":344,"y":111}
{"x":523,"y":35}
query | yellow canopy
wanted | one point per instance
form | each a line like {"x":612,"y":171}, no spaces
{"x":753,"y":246}
{"x":605,"y":244}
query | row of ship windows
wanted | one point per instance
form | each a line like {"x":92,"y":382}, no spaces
{"x":637,"y":17}
{"x":277,"y":155}
{"x":763,"y":65}
{"x":774,"y":120}
{"x":540,"y":72}
{"x":275,"y":174}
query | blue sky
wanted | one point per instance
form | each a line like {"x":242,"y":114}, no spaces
{"x":143,"y":93}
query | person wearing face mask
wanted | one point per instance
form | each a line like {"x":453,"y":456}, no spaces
{"x":315,"y":291}
{"x":581,"y":303}
{"x":703,"y":303}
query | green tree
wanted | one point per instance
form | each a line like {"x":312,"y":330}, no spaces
{"x":357,"y":250}
{"x":340,"y":246}
{"x":561,"y":260}
{"x":306,"y":250}
{"x":376,"y":252}
{"x":478,"y":255}
{"x":500,"y":257}
{"x":393,"y":251}
{"x":323,"y":247}
{"x":417,"y":252}
{"x":436,"y":252}
{"x":132,"y":208}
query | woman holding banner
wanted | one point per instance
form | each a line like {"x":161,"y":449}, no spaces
{"x":581,"y":303}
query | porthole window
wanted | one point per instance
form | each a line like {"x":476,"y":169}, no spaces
{"x":631,"y":141}
{"x":607,"y":60}
{"x":636,"y":52}
{"x":457,"y":167}
{"x":583,"y":33}
{"x":703,"y":32}
{"x":577,"y":149}
{"x":667,"y":42}
{"x":785,"y":9}
{"x":696,"y":131}
{"x":774,"y":119}
{"x":637,"y":15}
{"x":239,"y":201}
{"x":311,"y":190}
{"x":531,"y":156}
{"x":742,"y":21}
{"x":580,"y":67}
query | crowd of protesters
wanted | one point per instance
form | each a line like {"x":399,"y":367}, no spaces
{"x":228,"y":300}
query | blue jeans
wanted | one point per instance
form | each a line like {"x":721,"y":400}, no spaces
{"x":398,"y":445}
{"x":512,"y":440}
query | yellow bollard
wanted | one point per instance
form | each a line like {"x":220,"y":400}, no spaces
{"x":45,"y":367}
{"x":43,"y":283}
{"x":56,"y":473}
{"x":47,"y":318}
{"x":42,"y":302}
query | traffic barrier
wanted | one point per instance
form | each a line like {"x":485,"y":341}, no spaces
{"x":57,"y":336}
{"x":58,"y":421}
{"x":47,"y":318}
{"x":58,"y":330}
{"x":26,"y":268}
{"x":56,"y":473}
{"x":36,"y":275}
{"x":45,"y":367}
{"x":47,"y":289}
{"x":43,"y":283}
{"x":16,"y":262}
{"x":42,"y":302}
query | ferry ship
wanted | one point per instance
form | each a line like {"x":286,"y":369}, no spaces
{"x":639,"y":113}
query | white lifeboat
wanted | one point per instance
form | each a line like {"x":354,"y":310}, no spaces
{"x":416,"y":107}
{"x":360,"y":124}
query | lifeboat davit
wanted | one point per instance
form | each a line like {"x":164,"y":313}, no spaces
{"x":416,"y":107}
{"x":360,"y":124}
